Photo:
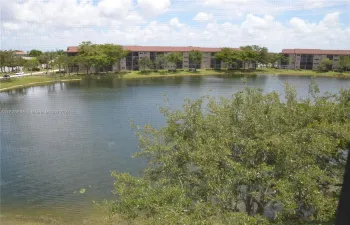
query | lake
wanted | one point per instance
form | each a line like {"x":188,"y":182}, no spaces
{"x":60,"y":138}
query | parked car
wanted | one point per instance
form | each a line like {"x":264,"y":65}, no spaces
{"x":6,"y":76}
{"x":19,"y":73}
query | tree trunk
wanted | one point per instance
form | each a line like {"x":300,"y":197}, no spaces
{"x":249,"y":206}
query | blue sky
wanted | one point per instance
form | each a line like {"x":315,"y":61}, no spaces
{"x":276,"y":24}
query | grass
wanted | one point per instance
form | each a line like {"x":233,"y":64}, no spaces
{"x":44,"y":79}
{"x":301,"y":72}
{"x":10,"y":83}
{"x":266,"y":71}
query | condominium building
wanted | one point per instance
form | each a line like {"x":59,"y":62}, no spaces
{"x":310,"y":58}
{"x":130,"y":62}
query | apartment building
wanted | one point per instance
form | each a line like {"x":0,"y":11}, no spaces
{"x":130,"y":62}
{"x":310,"y":58}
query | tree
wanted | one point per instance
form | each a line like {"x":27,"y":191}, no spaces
{"x":31,"y":65}
{"x":61,"y":62}
{"x":230,"y":161}
{"x":174,"y":58}
{"x":344,"y":64}
{"x":145,"y":63}
{"x":228,"y":56}
{"x":160,"y":61}
{"x":325,"y":65}
{"x":35,"y":53}
{"x":113,"y":53}
{"x":195,"y":57}
{"x":263,"y":56}
{"x":249,"y":54}
{"x":87,"y":53}
{"x":47,"y":59}
{"x":277,"y":58}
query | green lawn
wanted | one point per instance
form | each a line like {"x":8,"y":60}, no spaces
{"x":43,"y":79}
{"x":268,"y":71}
{"x":33,"y":80}
{"x":301,"y":72}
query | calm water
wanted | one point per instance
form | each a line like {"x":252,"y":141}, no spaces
{"x":47,"y":158}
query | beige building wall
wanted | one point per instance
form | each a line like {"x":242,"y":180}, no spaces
{"x":121,"y":66}
{"x":336,"y":60}
{"x":186,"y":60}
{"x":316,"y":61}
{"x":297,"y":61}
{"x":206,"y":60}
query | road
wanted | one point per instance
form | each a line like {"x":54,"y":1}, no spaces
{"x":29,"y":74}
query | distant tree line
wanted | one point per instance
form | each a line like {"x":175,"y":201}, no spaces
{"x":11,"y":62}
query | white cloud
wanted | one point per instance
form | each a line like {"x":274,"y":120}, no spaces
{"x":52,"y":24}
{"x":175,"y":22}
{"x":331,"y":20}
{"x":153,"y":7}
{"x":235,"y":9}
{"x":203,"y":17}
{"x":112,"y":8}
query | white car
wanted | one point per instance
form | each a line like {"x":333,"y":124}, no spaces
{"x":20,"y":73}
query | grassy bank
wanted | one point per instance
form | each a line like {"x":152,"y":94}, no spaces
{"x":44,"y":79}
{"x":266,"y":71}
{"x":28,"y":81}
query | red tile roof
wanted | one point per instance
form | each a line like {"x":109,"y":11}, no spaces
{"x":74,"y":49}
{"x":288,"y":51}
{"x":170,"y":49}
{"x":316,"y":51}
{"x":20,"y":53}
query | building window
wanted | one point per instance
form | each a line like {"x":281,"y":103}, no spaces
{"x":330,"y":57}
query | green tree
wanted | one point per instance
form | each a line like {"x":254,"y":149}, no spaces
{"x":230,"y":161}
{"x":249,"y":54}
{"x":228,"y":56}
{"x":145,"y":63}
{"x":31,"y":64}
{"x":113,"y":53}
{"x":160,"y":61}
{"x":325,"y":65}
{"x":344,"y":64}
{"x":61,"y":62}
{"x":87,"y":53}
{"x":195,"y":58}
{"x":35,"y":53}
{"x":174,"y":58}
{"x":47,"y":59}
{"x":263,"y":56}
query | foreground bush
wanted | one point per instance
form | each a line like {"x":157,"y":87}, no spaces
{"x":250,"y":159}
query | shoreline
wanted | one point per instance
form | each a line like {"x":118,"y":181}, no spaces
{"x":138,"y":75}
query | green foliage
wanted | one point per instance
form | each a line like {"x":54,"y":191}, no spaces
{"x":274,"y":58}
{"x":195,"y":57}
{"x":160,"y":61}
{"x":228,"y":161}
{"x":31,"y":64}
{"x":262,"y":55}
{"x":99,"y":56}
{"x":228,"y":56}
{"x":344,"y":64}
{"x":145,"y":63}
{"x":174,"y":57}
{"x":249,"y":54}
{"x":35,"y":53}
{"x":325,"y":65}
{"x":9,"y":59}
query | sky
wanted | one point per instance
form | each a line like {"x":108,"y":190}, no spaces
{"x":276,"y":24}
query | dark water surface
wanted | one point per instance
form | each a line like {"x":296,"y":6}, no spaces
{"x":48,"y":156}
